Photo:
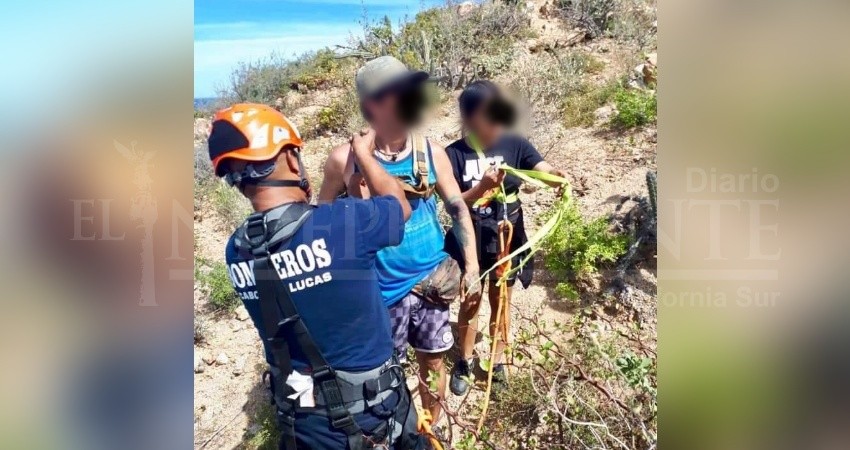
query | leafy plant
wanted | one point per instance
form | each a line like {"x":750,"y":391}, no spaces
{"x":635,"y":370}
{"x":267,"y":436}
{"x":578,"y":247}
{"x":579,"y":385}
{"x":635,"y":108}
{"x":214,"y":280}
{"x":342,"y":115}
{"x":578,"y":109}
{"x":319,"y":70}
{"x":229,"y":204}
{"x":455,"y":48}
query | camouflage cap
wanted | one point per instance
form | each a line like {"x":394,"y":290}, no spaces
{"x":385,"y":73}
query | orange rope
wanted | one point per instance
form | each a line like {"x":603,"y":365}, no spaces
{"x":506,"y":234}
{"x":423,"y":425}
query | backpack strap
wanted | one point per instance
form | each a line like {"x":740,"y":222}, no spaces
{"x":281,"y":321}
{"x":421,"y":153}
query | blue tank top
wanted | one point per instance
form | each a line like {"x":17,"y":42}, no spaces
{"x":421,"y":250}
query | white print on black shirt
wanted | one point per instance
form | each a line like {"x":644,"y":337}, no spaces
{"x":474,"y":171}
{"x":304,"y":259}
{"x":475,"y":168}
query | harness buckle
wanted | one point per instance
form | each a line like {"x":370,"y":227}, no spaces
{"x":255,"y":229}
{"x":324,"y":373}
{"x":343,"y":422}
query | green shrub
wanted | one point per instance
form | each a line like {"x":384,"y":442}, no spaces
{"x":319,"y":70}
{"x":635,"y":108}
{"x":579,"y":247}
{"x":341,"y":116}
{"x":575,"y":378}
{"x":630,"y":21}
{"x":229,"y":204}
{"x":260,"y":81}
{"x":554,"y":86}
{"x":214,"y":280}
{"x":578,"y":109}
{"x":455,"y":49}
{"x":592,"y":15}
{"x":268,"y":436}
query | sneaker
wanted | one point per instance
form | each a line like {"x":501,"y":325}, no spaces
{"x":440,"y":434}
{"x":460,"y":372}
{"x":500,"y":381}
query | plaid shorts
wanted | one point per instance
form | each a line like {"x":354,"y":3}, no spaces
{"x":422,"y":324}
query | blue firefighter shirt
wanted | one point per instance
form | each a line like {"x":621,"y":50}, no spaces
{"x":328,"y":266}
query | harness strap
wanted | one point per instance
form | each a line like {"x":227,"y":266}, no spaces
{"x":281,"y":319}
{"x":420,"y":153}
{"x":365,"y":391}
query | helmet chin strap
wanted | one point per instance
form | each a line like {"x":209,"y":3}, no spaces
{"x":252,"y":177}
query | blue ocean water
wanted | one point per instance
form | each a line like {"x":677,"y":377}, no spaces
{"x":204,"y":102}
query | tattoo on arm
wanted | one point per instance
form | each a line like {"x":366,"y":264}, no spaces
{"x":461,"y":223}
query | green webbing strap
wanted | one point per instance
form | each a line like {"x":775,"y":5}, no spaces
{"x":539,"y":179}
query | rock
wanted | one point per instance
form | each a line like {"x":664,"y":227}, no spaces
{"x":644,"y":75}
{"x":221,"y":359}
{"x":577,"y":36}
{"x":652,"y":136}
{"x":242,"y":314}
{"x":604,"y":113}
{"x":199,"y":364}
{"x":535,"y":45}
{"x":239,"y":368}
{"x":208,"y":359}
{"x":652,"y":58}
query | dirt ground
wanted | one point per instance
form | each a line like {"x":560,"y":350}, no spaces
{"x":602,"y":164}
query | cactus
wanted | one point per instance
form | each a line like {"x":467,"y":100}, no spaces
{"x":426,"y":52}
{"x":641,"y":222}
{"x":652,"y":187}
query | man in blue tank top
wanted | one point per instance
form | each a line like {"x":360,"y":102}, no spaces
{"x":392,"y":101}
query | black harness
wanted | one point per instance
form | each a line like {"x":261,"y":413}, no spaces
{"x":282,"y":324}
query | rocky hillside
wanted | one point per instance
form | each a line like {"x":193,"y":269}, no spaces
{"x":588,"y":75}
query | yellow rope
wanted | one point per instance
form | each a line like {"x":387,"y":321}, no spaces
{"x":503,"y":266}
{"x":500,"y":328}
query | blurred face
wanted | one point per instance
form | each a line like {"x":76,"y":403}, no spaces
{"x":399,"y":109}
{"x":482,"y":125}
{"x":382,"y":110}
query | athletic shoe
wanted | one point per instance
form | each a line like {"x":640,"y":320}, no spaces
{"x":458,"y":383}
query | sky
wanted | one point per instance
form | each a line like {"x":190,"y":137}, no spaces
{"x":231,"y":31}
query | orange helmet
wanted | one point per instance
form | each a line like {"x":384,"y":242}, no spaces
{"x":250,"y":132}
